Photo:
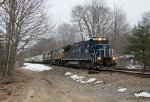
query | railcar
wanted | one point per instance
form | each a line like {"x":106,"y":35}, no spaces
{"x":43,"y":58}
{"x":31,"y":60}
{"x":38,"y":59}
{"x":46,"y":57}
{"x":57,"y":56}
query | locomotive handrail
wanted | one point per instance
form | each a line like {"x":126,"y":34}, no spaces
{"x":100,"y":51}
{"x":111,"y":52}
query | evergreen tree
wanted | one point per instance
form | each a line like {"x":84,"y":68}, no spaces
{"x":139,"y":44}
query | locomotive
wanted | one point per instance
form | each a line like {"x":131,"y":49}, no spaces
{"x":93,"y":53}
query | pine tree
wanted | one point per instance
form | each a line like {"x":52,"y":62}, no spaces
{"x":139,"y":44}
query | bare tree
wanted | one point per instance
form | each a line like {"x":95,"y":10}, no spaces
{"x":96,"y":19}
{"x":45,"y":45}
{"x":67,"y":34}
{"x":119,"y":23}
{"x":145,"y":18}
{"x":79,"y":31}
{"x":1,"y":53}
{"x":2,"y":2}
{"x":21,"y":21}
{"x":93,"y":19}
{"x":119,"y":29}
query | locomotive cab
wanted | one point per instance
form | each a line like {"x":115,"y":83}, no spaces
{"x":103,"y":55}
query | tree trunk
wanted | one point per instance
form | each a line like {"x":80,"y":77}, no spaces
{"x":10,"y":66}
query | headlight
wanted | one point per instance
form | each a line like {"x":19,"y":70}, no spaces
{"x":99,"y":38}
{"x":99,"y":58}
{"x":114,"y":58}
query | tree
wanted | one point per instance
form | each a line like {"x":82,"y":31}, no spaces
{"x":1,"y":44}
{"x":1,"y":50}
{"x":66,"y":33}
{"x":145,"y":18}
{"x":140,"y":39}
{"x":96,"y":19}
{"x":2,"y":2}
{"x":45,"y":45}
{"x":21,"y":22}
{"x":93,"y":19}
{"x":139,"y":44}
{"x":119,"y":30}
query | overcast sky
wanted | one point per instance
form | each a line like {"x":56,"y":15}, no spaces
{"x":61,"y":9}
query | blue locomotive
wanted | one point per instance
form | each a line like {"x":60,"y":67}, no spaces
{"x":93,"y":53}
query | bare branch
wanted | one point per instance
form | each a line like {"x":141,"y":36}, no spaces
{"x":21,"y":22}
{"x":3,"y":2}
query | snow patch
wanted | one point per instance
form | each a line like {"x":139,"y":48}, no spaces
{"x":133,"y":67}
{"x":81,"y":79}
{"x":97,"y":82}
{"x":75,"y":77}
{"x":68,"y":73}
{"x":90,"y":80}
{"x":36,"y":67}
{"x":78,"y":78}
{"x":142,"y":94}
{"x":122,"y":89}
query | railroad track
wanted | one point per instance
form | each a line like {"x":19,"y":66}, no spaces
{"x":124,"y":71}
{"x":133,"y":72}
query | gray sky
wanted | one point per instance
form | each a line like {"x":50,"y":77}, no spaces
{"x":61,"y":9}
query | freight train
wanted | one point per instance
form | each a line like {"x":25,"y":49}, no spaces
{"x":93,"y":53}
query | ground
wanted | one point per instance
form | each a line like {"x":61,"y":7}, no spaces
{"x":54,"y":86}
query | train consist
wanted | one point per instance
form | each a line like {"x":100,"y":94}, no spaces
{"x":93,"y":53}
